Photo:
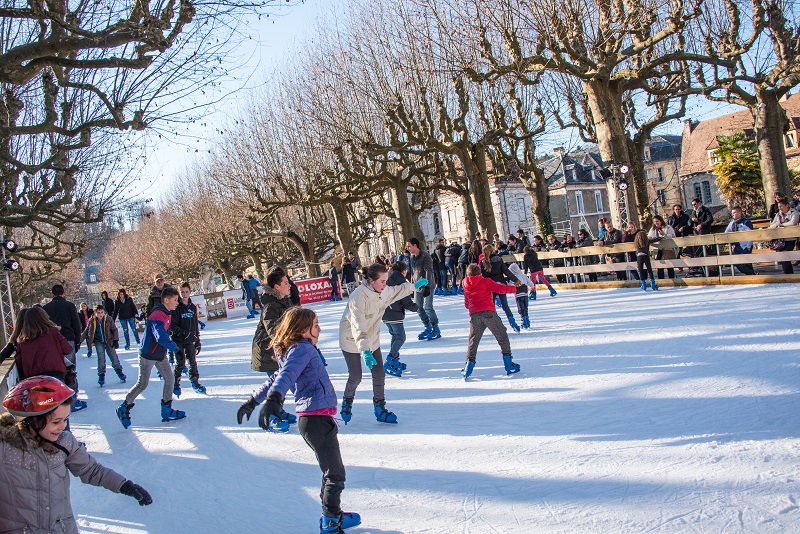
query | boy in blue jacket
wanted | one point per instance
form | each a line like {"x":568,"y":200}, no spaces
{"x":303,"y":370}
{"x":153,"y":353}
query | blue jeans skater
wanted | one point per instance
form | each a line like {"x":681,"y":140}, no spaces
{"x":126,"y":323}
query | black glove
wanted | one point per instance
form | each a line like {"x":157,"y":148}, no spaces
{"x":115,"y":344}
{"x":271,"y":407}
{"x":137,"y":492}
{"x":77,"y":347}
{"x":426,"y":291}
{"x":197,"y":346}
{"x":246,"y":409}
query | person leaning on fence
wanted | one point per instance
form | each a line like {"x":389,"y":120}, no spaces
{"x":786,"y":216}
{"x":740,"y":223}
{"x":660,"y":230}
{"x":612,"y":237}
{"x":585,"y":240}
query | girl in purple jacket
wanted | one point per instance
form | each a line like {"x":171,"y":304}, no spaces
{"x":302,"y":368}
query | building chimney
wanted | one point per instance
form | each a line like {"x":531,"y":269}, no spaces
{"x":688,"y":127}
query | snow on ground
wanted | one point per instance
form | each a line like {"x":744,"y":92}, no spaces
{"x":674,"y":411}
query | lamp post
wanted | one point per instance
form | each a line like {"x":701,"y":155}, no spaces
{"x":617,"y":174}
{"x":6,"y":302}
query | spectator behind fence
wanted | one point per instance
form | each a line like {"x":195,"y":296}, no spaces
{"x":740,"y":223}
{"x":786,"y":216}
{"x":773,"y":208}
{"x":613,"y":237}
{"x":553,"y":244}
{"x":585,"y":240}
{"x":660,"y":230}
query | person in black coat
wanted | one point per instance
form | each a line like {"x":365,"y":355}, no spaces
{"x":184,"y":330}
{"x":276,"y":301}
{"x":108,"y":304}
{"x":493,"y":267}
{"x":439,"y":256}
{"x":155,"y":294}
{"x":393,"y":317}
{"x":125,"y":310}
{"x":65,"y":315}
{"x":348,"y":276}
{"x":333,"y":276}
{"x":451,"y":262}
{"x":701,"y":219}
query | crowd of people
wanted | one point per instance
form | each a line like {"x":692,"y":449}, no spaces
{"x":46,"y":340}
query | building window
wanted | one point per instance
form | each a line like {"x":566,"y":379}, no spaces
{"x":789,"y":141}
{"x":574,"y":175}
{"x":598,"y":200}
{"x":698,"y":193}
{"x":436,"y":226}
{"x":660,"y":174}
{"x":451,"y":220}
{"x":662,"y":198}
{"x":707,"y":192}
{"x":712,"y":157}
{"x":579,"y":201}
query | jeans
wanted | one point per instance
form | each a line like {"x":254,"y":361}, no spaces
{"x":145,"y":369}
{"x":102,"y":349}
{"x":320,"y":433}
{"x":744,"y":268}
{"x":131,"y":322}
{"x":249,"y":304}
{"x":398,"y":332}
{"x":443,"y":279}
{"x":503,"y":303}
{"x":426,"y":313}
{"x":452,"y":274}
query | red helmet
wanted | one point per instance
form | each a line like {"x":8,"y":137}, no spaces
{"x":36,"y":396}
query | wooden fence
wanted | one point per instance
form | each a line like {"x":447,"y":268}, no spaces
{"x":717,"y":267}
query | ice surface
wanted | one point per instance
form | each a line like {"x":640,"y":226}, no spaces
{"x":674,"y":411}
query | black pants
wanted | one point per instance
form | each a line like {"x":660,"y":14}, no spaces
{"x":645,"y":268}
{"x":187,"y":352}
{"x":787,"y":265}
{"x":522,"y":302}
{"x":320,"y":433}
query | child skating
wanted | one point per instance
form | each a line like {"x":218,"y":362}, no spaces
{"x":482,"y":315}
{"x":102,"y":334}
{"x":360,"y":336}
{"x":302,"y":369}
{"x":393,"y":317}
{"x":153,"y":353}
{"x":35,"y":448}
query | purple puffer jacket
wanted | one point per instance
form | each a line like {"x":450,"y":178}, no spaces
{"x":301,"y":369}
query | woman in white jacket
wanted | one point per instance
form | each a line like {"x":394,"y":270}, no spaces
{"x":360,"y":332}
{"x":786,"y":216}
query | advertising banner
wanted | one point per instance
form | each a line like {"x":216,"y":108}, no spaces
{"x":314,"y":289}
{"x":234,"y":303}
{"x":200,"y":302}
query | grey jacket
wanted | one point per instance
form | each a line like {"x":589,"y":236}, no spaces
{"x":421,"y":266}
{"x":34,"y":480}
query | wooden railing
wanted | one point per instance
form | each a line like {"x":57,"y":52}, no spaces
{"x":718,"y":268}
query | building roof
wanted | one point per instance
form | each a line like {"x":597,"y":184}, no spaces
{"x":662,"y":148}
{"x":700,"y":137}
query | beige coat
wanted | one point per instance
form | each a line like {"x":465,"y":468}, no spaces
{"x":360,"y":328}
{"x":34,"y":481}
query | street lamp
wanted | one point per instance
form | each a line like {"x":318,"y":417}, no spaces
{"x":7,"y":315}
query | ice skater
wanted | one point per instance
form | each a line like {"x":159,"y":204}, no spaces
{"x":394,"y":316}
{"x":642,"y":244}
{"x":302,"y":369}
{"x":493,"y":267}
{"x":535,"y":271}
{"x":102,"y":334}
{"x":479,"y":301}
{"x":360,"y":333}
{"x":184,"y":330}
{"x":36,"y":451}
{"x":153,"y":353}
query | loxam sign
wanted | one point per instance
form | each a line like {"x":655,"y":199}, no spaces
{"x":314,"y":289}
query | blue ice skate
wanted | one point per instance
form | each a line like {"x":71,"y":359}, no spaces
{"x":468,"y":367}
{"x":288,"y":417}
{"x":176,"y":390}
{"x":329,"y":524}
{"x":513,"y":323}
{"x":526,"y":322}
{"x":425,"y":333}
{"x":510,"y":366}
{"x":347,"y":409}
{"x":382,"y":414}
{"x":278,"y":426}
{"x":553,"y":291}
{"x":124,"y":414}
{"x":434,"y":334}
{"x":168,"y":414}
{"x":198,"y":387}
{"x":392,"y":366}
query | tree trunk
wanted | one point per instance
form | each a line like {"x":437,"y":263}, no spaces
{"x":402,"y":209}
{"x":770,"y":124}
{"x":259,"y":266}
{"x":605,"y":102}
{"x":638,"y":181}
{"x":469,"y":215}
{"x":536,"y":186}
{"x":342,"y":222}
{"x":480,"y":196}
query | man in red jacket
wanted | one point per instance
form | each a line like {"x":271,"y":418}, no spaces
{"x":479,"y":301}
